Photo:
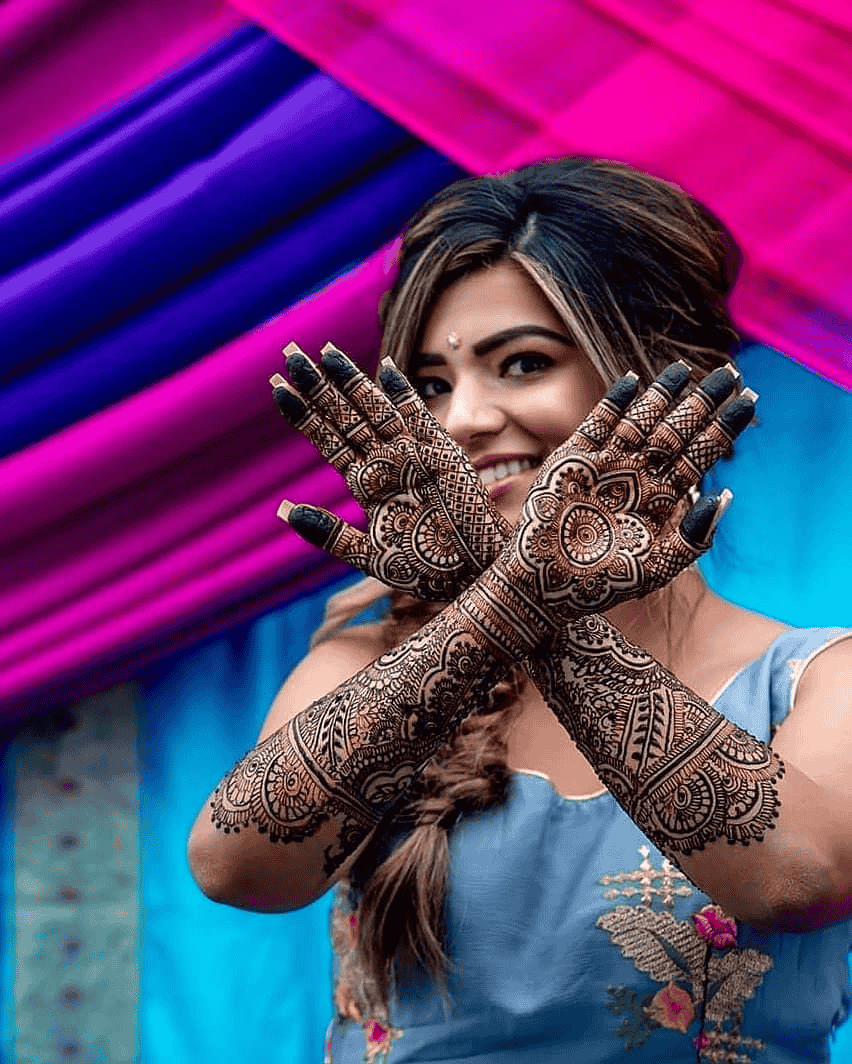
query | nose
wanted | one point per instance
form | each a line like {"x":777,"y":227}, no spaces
{"x":472,"y":411}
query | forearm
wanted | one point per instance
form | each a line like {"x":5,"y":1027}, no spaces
{"x":708,"y":794}
{"x":319,"y":785}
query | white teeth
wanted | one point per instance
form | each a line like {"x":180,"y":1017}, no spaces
{"x":505,"y":469}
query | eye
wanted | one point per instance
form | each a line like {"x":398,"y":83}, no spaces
{"x":524,"y":364}
{"x":430,"y":387}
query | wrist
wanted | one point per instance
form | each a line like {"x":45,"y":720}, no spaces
{"x":501,"y":616}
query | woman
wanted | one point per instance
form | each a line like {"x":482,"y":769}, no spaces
{"x":544,"y":786}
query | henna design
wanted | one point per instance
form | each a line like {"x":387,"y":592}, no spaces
{"x":598,"y":424}
{"x":684,"y":773}
{"x":714,"y":442}
{"x":336,"y":449}
{"x":350,"y":757}
{"x":432,"y":525}
{"x":593,"y":529}
{"x":693,"y":414}
{"x":646,"y":411}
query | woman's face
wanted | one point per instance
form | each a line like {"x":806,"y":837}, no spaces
{"x":500,"y":373}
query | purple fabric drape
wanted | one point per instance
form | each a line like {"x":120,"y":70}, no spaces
{"x":162,"y":510}
{"x":62,"y":61}
{"x":745,"y":103}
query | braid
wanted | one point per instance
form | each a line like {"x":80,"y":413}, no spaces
{"x":389,"y":915}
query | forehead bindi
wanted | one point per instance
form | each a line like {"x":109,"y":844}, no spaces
{"x":494,"y":342}
{"x":487,"y":303}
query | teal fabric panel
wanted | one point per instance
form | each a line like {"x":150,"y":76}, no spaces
{"x":220,"y":984}
{"x":72,"y":892}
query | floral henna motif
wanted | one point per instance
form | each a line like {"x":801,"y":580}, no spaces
{"x":595,"y":527}
{"x":588,"y":531}
{"x":684,"y":774}
{"x":432,"y":525}
{"x":349,"y":758}
{"x":592,"y":530}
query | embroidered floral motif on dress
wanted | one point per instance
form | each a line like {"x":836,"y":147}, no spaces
{"x":705,"y":980}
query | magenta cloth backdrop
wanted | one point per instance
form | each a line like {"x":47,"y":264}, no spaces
{"x":745,"y":103}
{"x":152,"y":524}
{"x":62,"y":61}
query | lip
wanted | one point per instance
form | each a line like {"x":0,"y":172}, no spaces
{"x":496,"y":459}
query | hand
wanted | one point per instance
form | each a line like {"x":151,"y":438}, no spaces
{"x":432,"y":525}
{"x":596,"y":527}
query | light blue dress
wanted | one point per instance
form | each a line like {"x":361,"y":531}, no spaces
{"x":574,"y":940}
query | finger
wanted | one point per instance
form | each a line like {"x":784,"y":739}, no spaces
{"x":596,"y":428}
{"x":699,"y":525}
{"x":400,"y":392}
{"x":336,"y":450}
{"x":715,"y":442}
{"x":363,"y":393}
{"x":644,"y":413}
{"x":668,"y":558}
{"x":327,"y":531}
{"x":418,"y":418}
{"x":323,"y":396}
{"x":688,"y":418}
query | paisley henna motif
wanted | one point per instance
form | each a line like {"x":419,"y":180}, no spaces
{"x":350,"y":757}
{"x":684,"y":773}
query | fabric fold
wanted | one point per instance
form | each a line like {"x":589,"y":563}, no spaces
{"x":744,"y":104}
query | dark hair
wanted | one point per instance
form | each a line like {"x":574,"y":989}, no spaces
{"x":640,"y":275}
{"x":638,"y":271}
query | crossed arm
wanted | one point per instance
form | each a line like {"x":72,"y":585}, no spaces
{"x":689,"y":778}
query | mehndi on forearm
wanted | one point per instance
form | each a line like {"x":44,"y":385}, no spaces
{"x":351,"y":756}
{"x":686,"y":775}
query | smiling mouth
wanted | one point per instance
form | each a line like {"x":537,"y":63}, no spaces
{"x":502,"y":470}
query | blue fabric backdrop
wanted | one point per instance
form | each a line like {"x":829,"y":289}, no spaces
{"x":219,"y":983}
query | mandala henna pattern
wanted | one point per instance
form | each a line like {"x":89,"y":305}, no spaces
{"x":350,"y":757}
{"x":592,"y":533}
{"x":683,"y":772}
{"x":432,"y":526}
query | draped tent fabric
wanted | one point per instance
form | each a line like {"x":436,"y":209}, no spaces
{"x":62,"y":61}
{"x":135,"y":529}
{"x":284,"y":180}
{"x":681,"y":88}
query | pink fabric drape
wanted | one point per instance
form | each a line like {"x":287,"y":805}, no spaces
{"x":151,"y":524}
{"x":745,"y":103}
{"x":62,"y":61}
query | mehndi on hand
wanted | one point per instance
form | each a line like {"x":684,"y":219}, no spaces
{"x":432,"y":525}
{"x":596,"y":527}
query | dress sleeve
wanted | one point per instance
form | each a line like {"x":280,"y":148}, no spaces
{"x":791,"y":667}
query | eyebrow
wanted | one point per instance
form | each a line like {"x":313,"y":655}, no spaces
{"x":490,"y":343}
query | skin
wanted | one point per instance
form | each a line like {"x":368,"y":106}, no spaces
{"x":525,"y":397}
{"x":494,"y":405}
